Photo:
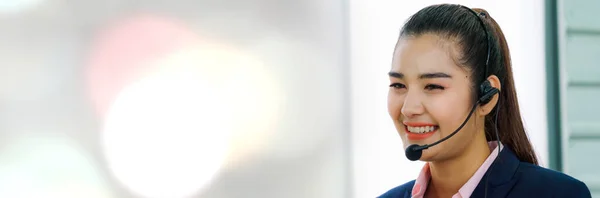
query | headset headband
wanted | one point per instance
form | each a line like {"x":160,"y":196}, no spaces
{"x":487,"y":38}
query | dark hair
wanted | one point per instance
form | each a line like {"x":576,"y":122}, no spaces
{"x":457,"y":24}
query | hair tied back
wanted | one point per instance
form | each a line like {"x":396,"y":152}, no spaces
{"x":482,"y":14}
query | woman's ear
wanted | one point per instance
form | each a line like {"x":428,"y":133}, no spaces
{"x":487,"y":108}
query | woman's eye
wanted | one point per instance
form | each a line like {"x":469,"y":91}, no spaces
{"x":397,"y":86}
{"x":433,"y":87}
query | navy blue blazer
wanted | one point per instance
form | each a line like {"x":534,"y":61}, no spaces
{"x":511,"y":177}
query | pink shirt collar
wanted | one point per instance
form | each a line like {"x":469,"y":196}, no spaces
{"x":467,"y":189}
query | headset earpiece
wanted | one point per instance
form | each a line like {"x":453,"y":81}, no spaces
{"x":486,"y":92}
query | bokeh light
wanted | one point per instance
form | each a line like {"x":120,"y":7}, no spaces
{"x":17,"y":6}
{"x":120,"y":54}
{"x":169,"y":134}
{"x":49,"y":167}
{"x":166,"y":136}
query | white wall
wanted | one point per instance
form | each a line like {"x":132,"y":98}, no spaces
{"x":378,"y":158}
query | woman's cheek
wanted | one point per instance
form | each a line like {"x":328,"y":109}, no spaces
{"x":394,"y":106}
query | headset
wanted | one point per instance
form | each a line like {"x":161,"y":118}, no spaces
{"x":487,"y":92}
{"x":485,"y":95}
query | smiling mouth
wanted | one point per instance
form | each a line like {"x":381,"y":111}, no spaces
{"x":421,"y":129}
{"x":417,"y":133}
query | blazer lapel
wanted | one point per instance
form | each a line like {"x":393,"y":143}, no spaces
{"x":500,"y":175}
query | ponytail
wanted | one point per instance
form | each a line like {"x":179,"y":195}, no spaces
{"x":510,"y":125}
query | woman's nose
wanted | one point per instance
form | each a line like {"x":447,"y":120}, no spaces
{"x":412,"y":106}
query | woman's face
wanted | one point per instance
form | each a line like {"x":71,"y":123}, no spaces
{"x":430,"y":97}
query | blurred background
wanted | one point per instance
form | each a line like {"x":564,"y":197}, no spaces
{"x":255,"y":98}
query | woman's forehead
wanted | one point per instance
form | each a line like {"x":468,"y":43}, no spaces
{"x":426,"y":53}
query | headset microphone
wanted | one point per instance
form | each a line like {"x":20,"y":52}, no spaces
{"x":414,"y":152}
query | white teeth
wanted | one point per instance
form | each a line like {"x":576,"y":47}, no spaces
{"x":424,"y":129}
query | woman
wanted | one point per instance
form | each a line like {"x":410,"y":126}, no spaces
{"x":452,"y":88}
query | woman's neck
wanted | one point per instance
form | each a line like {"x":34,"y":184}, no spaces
{"x":448,"y":176}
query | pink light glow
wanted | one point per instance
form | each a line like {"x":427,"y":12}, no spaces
{"x":120,"y":54}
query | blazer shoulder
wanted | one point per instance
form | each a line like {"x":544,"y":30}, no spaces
{"x":549,"y":180}
{"x":403,"y":190}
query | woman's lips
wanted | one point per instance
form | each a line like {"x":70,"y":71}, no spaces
{"x":419,"y":130}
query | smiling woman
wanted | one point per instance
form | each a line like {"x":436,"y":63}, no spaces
{"x":450,"y":72}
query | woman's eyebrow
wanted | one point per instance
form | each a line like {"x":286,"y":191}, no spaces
{"x":434,"y":75}
{"x":396,"y":74}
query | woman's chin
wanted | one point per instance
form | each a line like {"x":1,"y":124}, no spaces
{"x":430,"y":154}
{"x":426,"y":159}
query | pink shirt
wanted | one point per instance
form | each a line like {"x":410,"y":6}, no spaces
{"x":467,"y":189}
